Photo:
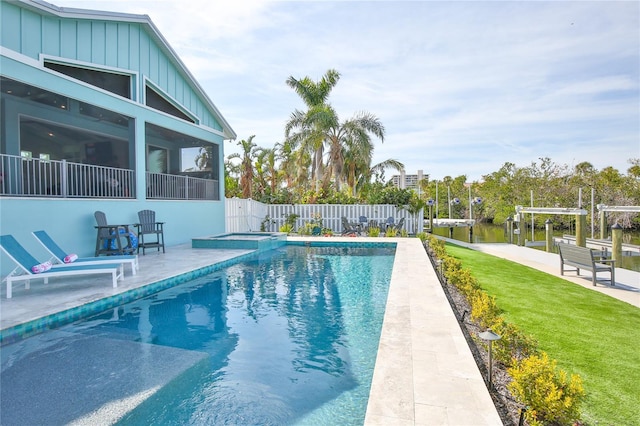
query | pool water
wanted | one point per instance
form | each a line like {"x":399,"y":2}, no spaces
{"x":288,"y":338}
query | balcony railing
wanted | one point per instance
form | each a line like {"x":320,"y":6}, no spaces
{"x":34,"y":177}
{"x":179,"y":187}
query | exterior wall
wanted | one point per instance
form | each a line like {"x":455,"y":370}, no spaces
{"x":128,"y":47}
{"x":71,"y":222}
{"x":120,"y":43}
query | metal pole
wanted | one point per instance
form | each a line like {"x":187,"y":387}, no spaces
{"x":592,"y":210}
{"x":533,"y":226}
{"x":436,"y":199}
{"x":490,"y":362}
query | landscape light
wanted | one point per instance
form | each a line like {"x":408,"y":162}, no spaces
{"x":489,"y":336}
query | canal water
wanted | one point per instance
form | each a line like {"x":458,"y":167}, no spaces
{"x":487,"y":233}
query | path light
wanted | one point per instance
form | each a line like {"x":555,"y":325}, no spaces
{"x":489,"y":336}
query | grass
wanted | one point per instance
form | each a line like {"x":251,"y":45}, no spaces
{"x":587,"y":332}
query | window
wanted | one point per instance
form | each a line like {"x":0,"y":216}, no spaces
{"x":156,"y":101}
{"x":120,"y":84}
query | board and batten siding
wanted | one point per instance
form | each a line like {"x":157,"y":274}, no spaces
{"x":129,"y":47}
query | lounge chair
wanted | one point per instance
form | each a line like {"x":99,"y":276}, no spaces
{"x":58,"y":255}
{"x":25,"y":262}
{"x":398,"y":226}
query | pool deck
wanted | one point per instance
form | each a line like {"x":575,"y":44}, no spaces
{"x":425,"y":373}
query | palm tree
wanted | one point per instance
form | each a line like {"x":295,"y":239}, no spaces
{"x":309,"y":135}
{"x":267,"y":159}
{"x":351,"y":139}
{"x":246,"y":165}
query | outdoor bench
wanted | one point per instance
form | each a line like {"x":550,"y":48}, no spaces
{"x":583,"y":258}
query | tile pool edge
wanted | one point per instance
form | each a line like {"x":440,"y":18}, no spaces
{"x":27,"y":329}
{"x":35,"y":326}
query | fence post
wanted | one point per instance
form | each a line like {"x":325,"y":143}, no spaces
{"x":63,"y":180}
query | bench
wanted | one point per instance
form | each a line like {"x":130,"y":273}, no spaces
{"x":583,"y":258}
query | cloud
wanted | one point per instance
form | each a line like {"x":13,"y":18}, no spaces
{"x":461,"y":87}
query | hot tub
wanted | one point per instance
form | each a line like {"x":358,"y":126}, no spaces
{"x":242,"y":241}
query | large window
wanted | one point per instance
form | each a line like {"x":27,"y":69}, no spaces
{"x":120,"y":84}
{"x":156,"y":101}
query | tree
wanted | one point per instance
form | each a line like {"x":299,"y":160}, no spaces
{"x":303,"y":128}
{"x":246,"y":166}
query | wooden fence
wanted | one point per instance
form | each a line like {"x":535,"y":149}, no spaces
{"x":250,"y":216}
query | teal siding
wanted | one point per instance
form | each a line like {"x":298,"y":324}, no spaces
{"x":30,"y":41}
{"x":51,"y":35}
{"x":10,"y":28}
{"x":133,"y":48}
{"x":122,"y":55}
{"x":111,"y":43}
{"x":68,"y":33}
{"x":83,"y":41}
{"x":122,"y":45}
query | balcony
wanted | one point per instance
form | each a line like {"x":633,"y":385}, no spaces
{"x":33,"y":177}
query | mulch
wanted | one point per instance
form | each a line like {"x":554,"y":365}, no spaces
{"x":508,"y":408}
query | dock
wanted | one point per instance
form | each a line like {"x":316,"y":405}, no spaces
{"x":601,"y":245}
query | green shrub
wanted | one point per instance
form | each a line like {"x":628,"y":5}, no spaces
{"x":484,"y":310}
{"x":390,"y":232}
{"x":422,"y":236}
{"x":404,"y":233}
{"x":514,"y":345}
{"x":462,"y":279}
{"x":287,"y":227}
{"x":374,"y":231}
{"x":550,"y":398}
{"x":437,"y":247}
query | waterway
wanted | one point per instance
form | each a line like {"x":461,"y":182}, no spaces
{"x":487,"y":233}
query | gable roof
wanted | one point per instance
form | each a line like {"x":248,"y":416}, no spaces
{"x":45,"y":8}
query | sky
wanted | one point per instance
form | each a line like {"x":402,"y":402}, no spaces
{"x":461,"y":87}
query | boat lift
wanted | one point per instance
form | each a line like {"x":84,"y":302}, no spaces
{"x":602,"y":209}
{"x":581,"y":215}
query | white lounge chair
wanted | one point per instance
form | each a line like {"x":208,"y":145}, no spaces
{"x":58,"y":255}
{"x":25,"y":261}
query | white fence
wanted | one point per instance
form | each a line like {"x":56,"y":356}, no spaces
{"x":250,"y":216}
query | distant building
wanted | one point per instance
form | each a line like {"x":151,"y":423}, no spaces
{"x":404,"y":181}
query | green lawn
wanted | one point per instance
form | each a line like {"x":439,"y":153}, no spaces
{"x":588,"y":333}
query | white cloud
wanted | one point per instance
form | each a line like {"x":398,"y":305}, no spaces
{"x":461,"y":87}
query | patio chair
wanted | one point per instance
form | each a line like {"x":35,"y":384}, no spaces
{"x":149,"y":227}
{"x":347,"y":228}
{"x":362,"y":224}
{"x":398,"y":226}
{"x":62,"y":257}
{"x":109,"y":237}
{"x":390,"y":222}
{"x":26,"y":263}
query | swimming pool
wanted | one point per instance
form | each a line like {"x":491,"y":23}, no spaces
{"x":289,"y":337}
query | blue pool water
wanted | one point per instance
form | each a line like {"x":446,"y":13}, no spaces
{"x":287,"y":338}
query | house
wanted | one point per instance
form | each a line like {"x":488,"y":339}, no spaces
{"x":99,"y":113}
